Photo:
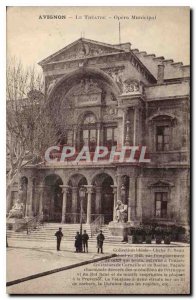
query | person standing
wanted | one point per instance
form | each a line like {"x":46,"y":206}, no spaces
{"x":85,"y":239}
{"x":59,"y":236}
{"x":100,"y":239}
{"x":78,"y":242}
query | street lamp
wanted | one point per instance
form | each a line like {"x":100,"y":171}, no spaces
{"x":82,"y":193}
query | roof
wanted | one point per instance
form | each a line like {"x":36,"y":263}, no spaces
{"x":150,"y":62}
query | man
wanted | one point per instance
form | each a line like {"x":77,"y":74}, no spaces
{"x":85,"y":238}
{"x":78,"y":242}
{"x":59,"y":236}
{"x":100,"y":239}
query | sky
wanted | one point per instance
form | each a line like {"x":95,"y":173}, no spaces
{"x":164,"y":31}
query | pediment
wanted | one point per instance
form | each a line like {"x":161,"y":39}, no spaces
{"x":161,"y":183}
{"x":80,"y":49}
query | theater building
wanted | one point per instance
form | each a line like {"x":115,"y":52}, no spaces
{"x":114,"y":95}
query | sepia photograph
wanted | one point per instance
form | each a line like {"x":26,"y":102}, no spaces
{"x":98,"y":150}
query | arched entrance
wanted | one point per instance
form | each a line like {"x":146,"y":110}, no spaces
{"x":53,"y":198}
{"x":103,"y":198}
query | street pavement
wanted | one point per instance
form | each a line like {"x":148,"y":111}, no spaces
{"x":25,"y":258}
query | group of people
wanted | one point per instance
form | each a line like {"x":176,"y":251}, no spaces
{"x":81,"y":241}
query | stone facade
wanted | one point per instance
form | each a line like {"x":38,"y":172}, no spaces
{"x":113,"y":95}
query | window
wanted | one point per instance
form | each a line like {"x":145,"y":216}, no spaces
{"x":89,"y":136}
{"x":161,"y":199}
{"x":69,"y":140}
{"x":88,"y":133}
{"x":162,"y":138}
{"x":110,"y":136}
{"x":90,"y":119}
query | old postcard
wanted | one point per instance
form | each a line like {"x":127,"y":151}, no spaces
{"x":98,"y":148}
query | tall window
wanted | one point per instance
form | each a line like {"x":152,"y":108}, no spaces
{"x":88,"y":134}
{"x":162,"y":138}
{"x":69,"y":137}
{"x":111,"y":136}
{"x":161,"y":199}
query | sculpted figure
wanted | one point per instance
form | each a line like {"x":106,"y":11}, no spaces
{"x":17,"y":210}
{"x":121,"y":211}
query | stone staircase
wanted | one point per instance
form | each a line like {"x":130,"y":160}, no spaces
{"x":47,"y":231}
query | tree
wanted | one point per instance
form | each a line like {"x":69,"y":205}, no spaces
{"x":29,"y":128}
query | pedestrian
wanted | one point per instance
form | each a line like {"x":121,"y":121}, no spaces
{"x":78,"y":242}
{"x":59,"y":236}
{"x":85,"y":239}
{"x":100,"y":239}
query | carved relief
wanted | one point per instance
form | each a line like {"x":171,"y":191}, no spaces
{"x":86,"y":92}
{"x":82,"y":50}
{"x":109,"y":113}
{"x":116,"y":74}
{"x":131,"y":86}
{"x":86,"y":86}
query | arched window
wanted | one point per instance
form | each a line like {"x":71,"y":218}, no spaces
{"x":89,"y":119}
{"x":88,"y":132}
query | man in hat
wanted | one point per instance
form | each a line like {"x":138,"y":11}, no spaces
{"x":59,"y":236}
{"x":100,"y":239}
{"x":85,"y":238}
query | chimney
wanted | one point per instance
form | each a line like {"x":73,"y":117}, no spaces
{"x":160,"y":74}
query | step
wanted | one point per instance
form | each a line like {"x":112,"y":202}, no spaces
{"x":47,"y":231}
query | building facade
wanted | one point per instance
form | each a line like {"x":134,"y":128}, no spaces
{"x":113,"y":95}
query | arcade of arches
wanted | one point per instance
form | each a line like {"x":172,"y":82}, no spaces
{"x":62,"y":203}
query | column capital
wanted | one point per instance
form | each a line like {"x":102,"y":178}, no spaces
{"x":118,"y":176}
{"x":89,"y":188}
{"x":65,"y":188}
{"x":99,"y":124}
{"x":98,"y":189}
{"x":41,"y":186}
{"x":74,"y":189}
{"x":114,"y":187}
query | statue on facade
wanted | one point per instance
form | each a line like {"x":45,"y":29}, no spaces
{"x":121,"y":212}
{"x":17,"y":210}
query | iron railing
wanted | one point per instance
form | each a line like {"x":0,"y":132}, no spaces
{"x":34,"y":223}
{"x":96,"y":224}
{"x":74,"y":218}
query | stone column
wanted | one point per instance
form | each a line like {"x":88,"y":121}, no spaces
{"x":98,"y":134}
{"x":41,"y":198}
{"x":127,"y":136}
{"x":98,"y":199}
{"x":136,"y":132}
{"x":74,"y":203}
{"x":74,"y":136}
{"x":119,"y":185}
{"x":65,"y":190}
{"x":124,"y":125}
{"x":132,"y":200}
{"x":114,"y":187}
{"x":139,"y":198}
{"x":29,"y":203}
{"x":89,"y":200}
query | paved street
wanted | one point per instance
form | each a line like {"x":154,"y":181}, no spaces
{"x":25,"y":258}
